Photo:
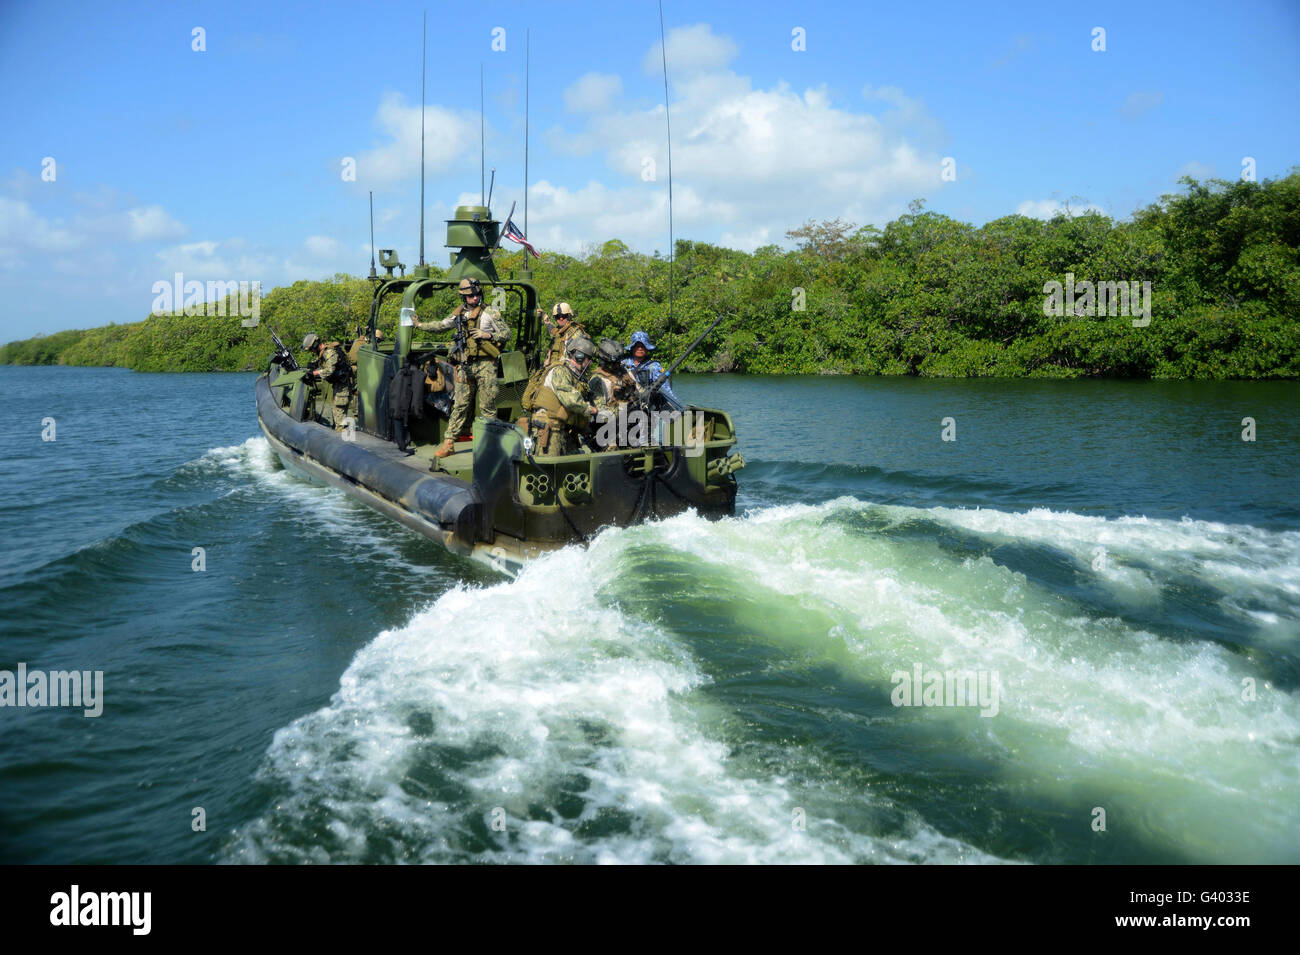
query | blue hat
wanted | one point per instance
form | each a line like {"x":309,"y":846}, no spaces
{"x":640,"y":338}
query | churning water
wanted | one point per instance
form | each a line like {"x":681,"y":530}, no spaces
{"x":1114,"y":563}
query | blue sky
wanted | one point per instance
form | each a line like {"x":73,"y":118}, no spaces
{"x":226,"y":164}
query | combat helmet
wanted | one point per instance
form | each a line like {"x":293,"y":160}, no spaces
{"x":562,"y":310}
{"x":310,"y":341}
{"x":609,"y":352}
{"x":580,"y":348}
{"x":470,"y":287}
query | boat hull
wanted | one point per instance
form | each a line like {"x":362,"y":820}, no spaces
{"x":504,"y":506}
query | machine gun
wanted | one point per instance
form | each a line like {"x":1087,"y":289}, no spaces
{"x":283,"y":357}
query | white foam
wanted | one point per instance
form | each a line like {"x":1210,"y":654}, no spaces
{"x":1086,"y":703}
{"x":579,"y":706}
{"x":586,"y":728}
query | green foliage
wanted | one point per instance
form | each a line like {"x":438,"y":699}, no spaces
{"x":927,"y":295}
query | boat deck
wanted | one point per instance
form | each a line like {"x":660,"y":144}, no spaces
{"x":459,"y":465}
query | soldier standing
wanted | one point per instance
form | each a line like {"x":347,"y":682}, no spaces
{"x":564,"y":329}
{"x":563,"y":410}
{"x":332,"y":366}
{"x":476,"y":366}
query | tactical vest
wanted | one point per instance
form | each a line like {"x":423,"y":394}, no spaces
{"x":560,"y":342}
{"x":613,"y":384}
{"x":476,"y":349}
{"x":545,"y":399}
{"x":341,"y":376}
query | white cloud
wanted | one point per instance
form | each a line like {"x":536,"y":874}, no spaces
{"x":747,"y":241}
{"x":694,"y":49}
{"x":569,"y":220}
{"x":22,"y":228}
{"x":204,"y":249}
{"x":748,"y":163}
{"x":152,"y":223}
{"x":594,"y":91}
{"x":447,"y":135}
{"x":238,"y":259}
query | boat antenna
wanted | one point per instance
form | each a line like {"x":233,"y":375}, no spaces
{"x":492,"y":184}
{"x":424,"y":45}
{"x":527,"y":53}
{"x":482,"y":161}
{"x":373,"y":274}
{"x":663,"y":49}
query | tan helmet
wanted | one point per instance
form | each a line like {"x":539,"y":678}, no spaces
{"x":310,"y":341}
{"x":580,"y":348}
{"x":469,"y":287}
{"x":563,"y":310}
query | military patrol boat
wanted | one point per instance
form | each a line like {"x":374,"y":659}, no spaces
{"x":494,"y":498}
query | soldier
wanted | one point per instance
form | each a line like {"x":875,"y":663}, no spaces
{"x":611,"y":387}
{"x":564,"y":329}
{"x":475,"y":370}
{"x":354,"y":356}
{"x":642,"y":368}
{"x":563,"y":410}
{"x":331,"y":365}
{"x":354,"y":353}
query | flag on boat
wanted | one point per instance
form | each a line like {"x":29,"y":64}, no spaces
{"x":511,"y":232}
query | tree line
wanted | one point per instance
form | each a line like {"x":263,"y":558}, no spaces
{"x":926,"y":295}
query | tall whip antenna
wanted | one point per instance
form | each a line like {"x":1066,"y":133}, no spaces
{"x":482,"y":160}
{"x":527,"y":55}
{"x":424,"y":45}
{"x":663,"y":49}
{"x":373,"y":274}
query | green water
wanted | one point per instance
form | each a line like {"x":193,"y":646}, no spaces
{"x":334,"y":688}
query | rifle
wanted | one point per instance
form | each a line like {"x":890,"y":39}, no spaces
{"x":460,"y":342}
{"x":283,"y":357}
{"x":645,"y":395}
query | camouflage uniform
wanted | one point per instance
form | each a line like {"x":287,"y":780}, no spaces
{"x":612,"y":389}
{"x":335,"y":369}
{"x":476,"y":370}
{"x":563,"y":410}
{"x":555,"y":356}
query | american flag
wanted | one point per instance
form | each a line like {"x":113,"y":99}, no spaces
{"x":511,"y":232}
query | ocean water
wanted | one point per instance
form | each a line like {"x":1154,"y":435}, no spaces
{"x":1109,"y":562}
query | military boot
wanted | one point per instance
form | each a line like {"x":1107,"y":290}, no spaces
{"x":447,"y":447}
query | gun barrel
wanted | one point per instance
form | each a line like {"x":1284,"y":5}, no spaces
{"x":286,"y":359}
{"x":658,"y":383}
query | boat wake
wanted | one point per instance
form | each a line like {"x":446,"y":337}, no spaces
{"x":695,"y":691}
